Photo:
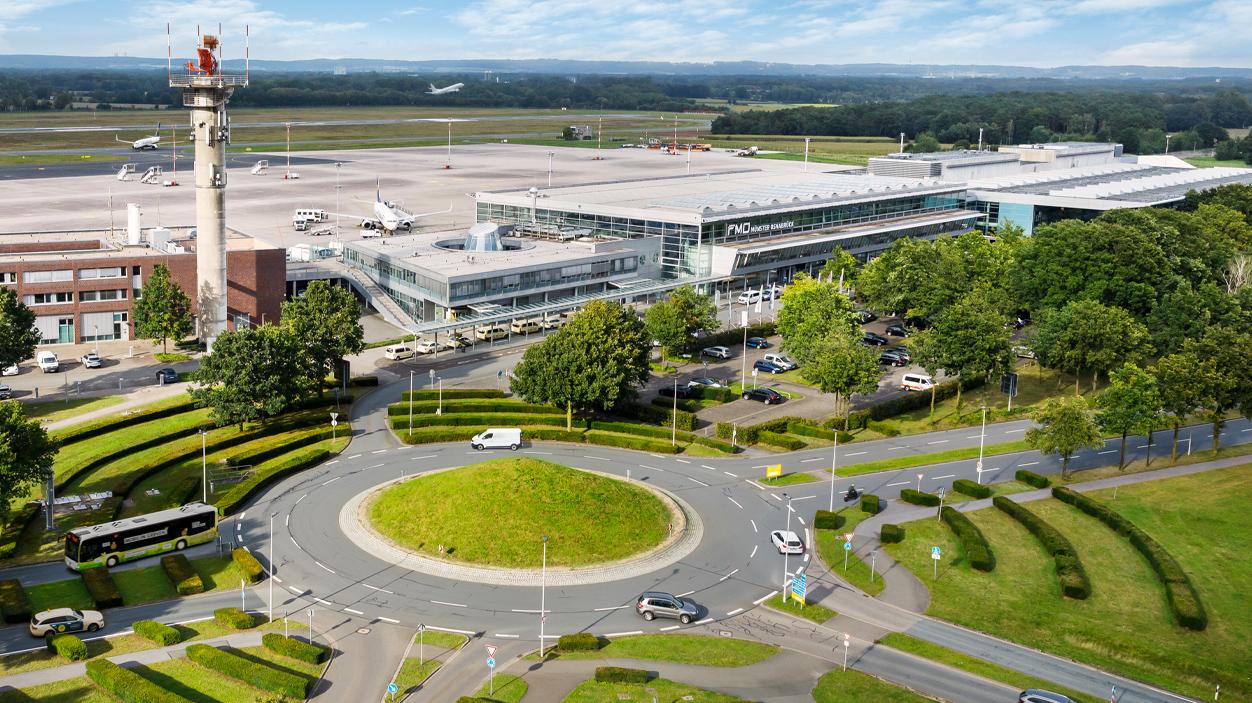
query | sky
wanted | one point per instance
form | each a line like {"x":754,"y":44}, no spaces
{"x":929,"y":32}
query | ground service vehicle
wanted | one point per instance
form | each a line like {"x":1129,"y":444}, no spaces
{"x":140,"y":536}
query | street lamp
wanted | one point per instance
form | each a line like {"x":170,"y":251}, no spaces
{"x":806,"y":154}
{"x":674,"y":415}
{"x":543,"y":592}
{"x":981,"y":438}
{"x":834,"y":464}
{"x":550,"y":155}
{"x":337,"y":165}
{"x":204,"y":467}
{"x":786,"y":552}
{"x":410,"y":404}
{"x":919,"y":482}
{"x":95,"y":337}
{"x":273,"y":567}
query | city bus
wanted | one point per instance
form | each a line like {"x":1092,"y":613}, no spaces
{"x":141,"y":536}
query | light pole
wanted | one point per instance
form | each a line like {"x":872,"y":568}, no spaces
{"x":204,"y":467}
{"x":834,"y":465}
{"x":743,"y":363}
{"x":919,"y":482}
{"x":410,"y":404}
{"x":550,"y":155}
{"x":806,"y":154}
{"x":337,"y":165}
{"x":786,"y":553}
{"x":847,"y":643}
{"x":95,"y":337}
{"x":273,"y":567}
{"x":543,"y":593}
{"x":1167,"y":143}
{"x":982,"y":436}
{"x":673,"y":439}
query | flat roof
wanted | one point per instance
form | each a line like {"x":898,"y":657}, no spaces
{"x":962,"y":156}
{"x":1115,"y":183}
{"x":105,"y":244}
{"x":718,"y":196}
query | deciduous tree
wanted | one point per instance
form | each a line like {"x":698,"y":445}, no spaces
{"x":1186,"y":382}
{"x":1232,"y":390}
{"x":326,"y":323}
{"x":973,"y":340}
{"x":26,"y":454}
{"x":812,"y":311}
{"x":672,"y":321}
{"x":1066,"y":425}
{"x":162,"y":311}
{"x":252,"y":374}
{"x":1086,"y":336}
{"x":841,"y":365}
{"x":1131,"y":402}
{"x":18,"y":335}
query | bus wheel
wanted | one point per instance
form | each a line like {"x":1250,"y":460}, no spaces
{"x":180,"y":545}
{"x":110,"y":562}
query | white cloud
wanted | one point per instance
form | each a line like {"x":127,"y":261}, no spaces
{"x":1152,"y":53}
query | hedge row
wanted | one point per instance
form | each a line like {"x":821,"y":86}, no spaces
{"x":184,"y":578}
{"x":1069,"y":569}
{"x":916,"y":497}
{"x":234,"y":618}
{"x":826,"y":520}
{"x":977,"y":551}
{"x":266,"y":678}
{"x":642,"y":444}
{"x":637,"y":429}
{"x":428,"y":435}
{"x":473,"y":405}
{"x":971,"y":489}
{"x":159,"y":634}
{"x":890,"y":534}
{"x":687,"y":406}
{"x":299,"y":461}
{"x":103,"y":590}
{"x":1183,"y":598}
{"x":68,"y":646}
{"x":619,"y":674}
{"x":871,"y":503}
{"x":721,"y":395}
{"x":433,"y":394}
{"x":14,"y":605}
{"x":248,"y":565}
{"x":1030,"y":478}
{"x":15,"y":526}
{"x":882,"y":428}
{"x":906,"y":403}
{"x":657,"y":416}
{"x":552,"y":434}
{"x":781,"y":441}
{"x":104,"y":425}
{"x":717,"y":444}
{"x":127,"y":685}
{"x":363,"y":381}
{"x":401,"y":422}
{"x":805,"y":429}
{"x":299,"y":650}
{"x":283,"y":445}
{"x":578,"y":642}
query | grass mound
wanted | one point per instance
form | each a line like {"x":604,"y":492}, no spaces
{"x":495,"y":513}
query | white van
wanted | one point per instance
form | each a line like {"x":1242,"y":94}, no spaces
{"x":398,"y":352}
{"x":48,"y":362}
{"x":310,"y":216}
{"x":749,"y":297}
{"x":917,"y":382}
{"x":525,"y":326}
{"x":782,"y":361}
{"x":498,"y":438}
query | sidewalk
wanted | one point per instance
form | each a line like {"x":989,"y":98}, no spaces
{"x":133,"y":399}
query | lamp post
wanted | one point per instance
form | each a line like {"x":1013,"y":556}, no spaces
{"x":786,"y":553}
{"x":673,"y":439}
{"x":410,"y":403}
{"x":204,"y":467}
{"x":273,"y":567}
{"x":95,"y":338}
{"x":550,"y":155}
{"x":982,"y":436}
{"x":1167,"y":136}
{"x":834,"y":464}
{"x":806,"y":154}
{"x":543,"y":592}
{"x":337,"y":165}
{"x":919,"y":482}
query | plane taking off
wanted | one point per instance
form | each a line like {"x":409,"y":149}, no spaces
{"x":455,"y":87}
{"x":149,"y":142}
{"x":389,"y":217}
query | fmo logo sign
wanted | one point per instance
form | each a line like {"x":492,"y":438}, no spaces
{"x":739,"y":229}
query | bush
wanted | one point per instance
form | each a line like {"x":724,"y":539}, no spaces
{"x":826,"y":520}
{"x":472,"y":405}
{"x":553,"y":434}
{"x":977,"y":551}
{"x":234,"y":618}
{"x":67,"y":646}
{"x":916,"y":497}
{"x":298,"y":461}
{"x":481,"y":420}
{"x":428,"y":435}
{"x":686,"y":420}
{"x":728,"y":337}
{"x":845,"y":437}
{"x":266,"y":678}
{"x":127,"y":685}
{"x":642,"y":444}
{"x":890,"y":534}
{"x":453,"y":393}
{"x":882,"y":428}
{"x":805,"y":429}
{"x":14,"y":528}
{"x":971,"y":489}
{"x":184,"y":578}
{"x":781,"y":441}
{"x":248,"y":565}
{"x":1030,"y":478}
{"x":871,"y":503}
{"x":619,"y":674}
{"x":14,"y":604}
{"x":100,"y":585}
{"x":299,"y":650}
{"x":578,"y":642}
{"x":717,"y":444}
{"x":726,"y":430}
{"x":157,"y":633}
{"x":635,"y":429}
{"x":363,"y":381}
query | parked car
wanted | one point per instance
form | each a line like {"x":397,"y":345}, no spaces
{"x":166,"y":375}
{"x":875,"y":340}
{"x":901,"y":352}
{"x":917,"y":322}
{"x":766,"y":366}
{"x":748,"y":297}
{"x":891,"y":359}
{"x":916,"y":382}
{"x":771,"y":293}
{"x":398,"y":352}
{"x":553,"y":322}
{"x":781,"y":360}
{"x":90,"y":360}
{"x":704,"y":382}
{"x":425,"y":346}
{"x":716,"y":352}
{"x":65,"y":620}
{"x":48,"y":362}
{"x":456,"y":341}
{"x":1038,"y":695}
{"x":897,"y":331}
{"x":865,"y":316}
{"x":11,"y":370}
{"x":1023,"y":352}
{"x":786,"y":542}
{"x":757,"y":343}
{"x":672,"y":391}
{"x":5,"y":392}
{"x":657,"y":604}
{"x":769,"y":396}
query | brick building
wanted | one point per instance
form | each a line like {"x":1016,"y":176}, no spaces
{"x":81,"y":284}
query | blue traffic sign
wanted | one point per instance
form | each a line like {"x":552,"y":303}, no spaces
{"x":392,"y":688}
{"x":934,"y":552}
{"x":847,"y":546}
{"x":491,"y":662}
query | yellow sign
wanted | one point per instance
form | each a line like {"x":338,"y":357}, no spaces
{"x":773,"y":471}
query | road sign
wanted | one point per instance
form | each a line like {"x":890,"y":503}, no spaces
{"x":500,"y":374}
{"x":934,"y":553}
{"x":847,"y":546}
{"x":773,"y":471}
{"x":491,"y":650}
{"x":799,"y":587}
{"x":392,"y":688}
{"x":334,"y":423}
{"x":421,"y":627}
{"x":754,"y":372}
{"x":1008,"y":384}
{"x":491,"y":662}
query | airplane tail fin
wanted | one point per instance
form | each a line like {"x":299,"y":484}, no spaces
{"x":433,"y":88}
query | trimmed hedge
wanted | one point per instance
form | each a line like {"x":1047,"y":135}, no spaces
{"x":656,"y":415}
{"x":429,"y":394}
{"x":67,"y":646}
{"x":730,"y":337}
{"x":299,"y":650}
{"x":14,"y":605}
{"x":916,"y":497}
{"x":871,"y":503}
{"x":1069,"y":569}
{"x":266,"y":678}
{"x":303,"y":459}
{"x":430,"y":435}
{"x":882,"y":428}
{"x":578,"y":642}
{"x":401,"y":422}
{"x":971,"y":489}
{"x":620,"y":674}
{"x":781,"y":441}
{"x":1030,"y":478}
{"x":248,"y":565}
{"x":363,"y":381}
{"x":472,"y":405}
{"x":636,"y":429}
{"x":826,"y":520}
{"x":721,"y":395}
{"x":717,"y":444}
{"x":977,"y":551}
{"x":642,"y":444}
{"x":234,"y":618}
{"x":890,"y":534}
{"x":552,"y":434}
{"x":184,"y":578}
{"x":805,"y":429}
{"x":157,"y":633}
{"x":103,"y":590}
{"x":1181,"y":594}
{"x":127,"y":685}
{"x":13,"y":529}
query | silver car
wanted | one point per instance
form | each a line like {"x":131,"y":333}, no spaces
{"x":656,"y":604}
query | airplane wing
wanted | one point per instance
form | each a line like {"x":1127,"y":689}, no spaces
{"x":434,"y":212}
{"x":351,"y":215}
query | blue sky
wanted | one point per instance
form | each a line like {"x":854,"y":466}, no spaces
{"x":1018,"y":32}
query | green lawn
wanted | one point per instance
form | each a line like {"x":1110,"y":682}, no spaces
{"x":496,"y":512}
{"x":504,"y":688}
{"x":592,"y":691}
{"x":437,"y":643}
{"x":412,"y":673}
{"x":911,"y":460}
{"x":53,"y":410}
{"x":700,"y":650}
{"x":788,"y":479}
{"x":851,"y":686}
{"x":144,"y":585}
{"x":76,"y":690}
{"x":1125,"y":626}
{"x":830,"y":549}
{"x":1209,"y":162}
{"x":70,"y":593}
{"x":816,"y":613}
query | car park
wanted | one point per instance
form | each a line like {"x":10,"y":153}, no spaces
{"x":675,"y":391}
{"x":48,"y":362}
{"x":891,"y":359}
{"x":769,"y":396}
{"x":5,"y":392}
{"x":1038,"y":695}
{"x":425,"y":346}
{"x":916,"y":382}
{"x":875,"y":340}
{"x":786,"y":542}
{"x":90,"y":360}
{"x":897,"y":331}
{"x":766,"y":366}
{"x":11,"y":370}
{"x":60,"y":620}
{"x":166,"y":375}
{"x":865,"y":316}
{"x":704,"y":382}
{"x":657,"y":604}
{"x":782,"y":361}
{"x":716,"y":352}
{"x":757,"y":343}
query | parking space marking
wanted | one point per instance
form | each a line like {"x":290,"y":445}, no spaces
{"x":684,"y":595}
{"x":663,"y":629}
{"x":616,"y":607}
{"x":354,"y":612}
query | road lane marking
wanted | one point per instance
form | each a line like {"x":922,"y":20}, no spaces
{"x":700,"y":622}
{"x":684,"y":595}
{"x":754,"y":548}
{"x":856,"y":453}
{"x":353,"y":456}
{"x":651,"y":468}
{"x":504,"y":636}
{"x":737,"y":505}
{"x":805,"y":461}
{"x":306,"y":495}
{"x":895,"y":449}
{"x":730,"y":474}
{"x":332,"y":480}
{"x":938,"y":478}
{"x":624,"y":634}
{"x":1110,"y":451}
{"x":901,"y":483}
{"x":801,"y":519}
{"x":974,"y":436}
{"x":775,"y":496}
{"x":756,"y":485}
{"x":293,"y":541}
{"x":663,"y":629}
{"x":295,"y":590}
{"x":1029,"y":463}
{"x":762,"y":466}
{"x":324,"y":566}
{"x":764,"y":598}
{"x":276,"y":579}
{"x":378,"y":451}
{"x":616,"y":607}
{"x":681,"y":461}
{"x":693,"y":480}
{"x":449,"y":629}
{"x":939,"y":441}
{"x":528,"y":610}
{"x":354,"y":612}
{"x":323,"y":602}
{"x":432,"y":456}
{"x":286,"y":519}
{"x":245,"y":548}
{"x":454,"y":605}
{"x":393,"y":622}
{"x":1023,"y":429}
{"x":736,"y":611}
{"x":376,"y":588}
{"x":729,"y":575}
{"x":754,"y":525}
{"x":706,"y":466}
{"x":804,"y":498}
{"x":597,"y":458}
{"x":336,"y":461}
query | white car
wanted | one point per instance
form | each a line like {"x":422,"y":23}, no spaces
{"x":60,"y":620}
{"x":717,"y":352}
{"x":426,"y":347}
{"x":90,"y":360}
{"x":786,"y":542}
{"x":11,"y":370}
{"x":48,"y":362}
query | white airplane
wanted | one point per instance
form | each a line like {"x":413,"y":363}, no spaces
{"x":144,"y":143}
{"x":455,"y":87}
{"x":390,"y":217}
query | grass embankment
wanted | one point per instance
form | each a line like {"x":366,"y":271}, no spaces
{"x":829,"y":544}
{"x":504,"y":688}
{"x":697,"y":650}
{"x":53,"y":410}
{"x":811,"y":611}
{"x":838,"y":686}
{"x":496,"y":513}
{"x":1125,"y":626}
{"x":592,"y":691}
{"x":425,"y":658}
{"x":137,"y":586}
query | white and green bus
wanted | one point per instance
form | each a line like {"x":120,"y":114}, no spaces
{"x":141,"y":536}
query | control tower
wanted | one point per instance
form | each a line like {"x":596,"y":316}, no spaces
{"x":206,"y":89}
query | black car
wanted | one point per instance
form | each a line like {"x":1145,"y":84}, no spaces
{"x":900,"y":352}
{"x":758,"y":343}
{"x":917,"y":322}
{"x":166,"y":375}
{"x":680,"y":391}
{"x":891,"y":359}
{"x":865,"y":316}
{"x":769,"y":396}
{"x":876,"y":340}
{"x":897,"y":331}
{"x":5,"y":392}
